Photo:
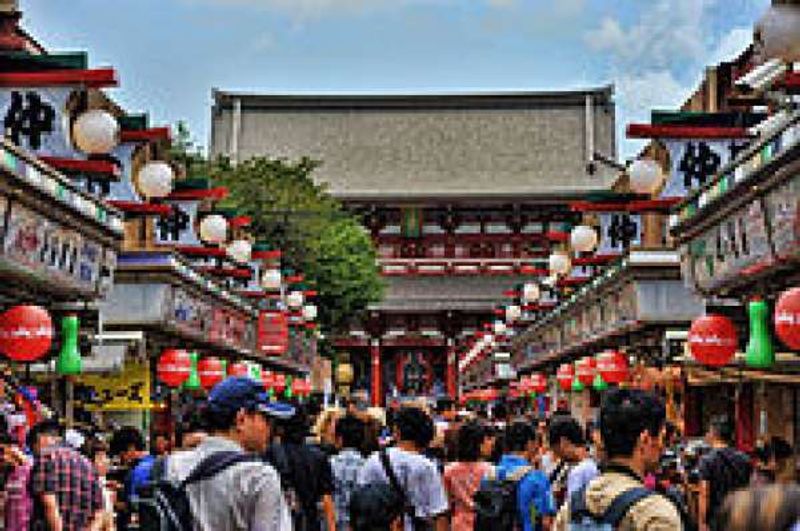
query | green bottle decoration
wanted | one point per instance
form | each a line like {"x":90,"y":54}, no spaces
{"x":69,"y":359}
{"x":599,"y":384}
{"x":760,"y":352}
{"x":288,"y":391}
{"x":255,"y":372}
{"x":577,"y":386}
{"x":193,"y":382}
{"x":224,"y":368}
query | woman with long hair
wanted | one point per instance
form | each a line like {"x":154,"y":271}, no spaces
{"x":463,"y":477}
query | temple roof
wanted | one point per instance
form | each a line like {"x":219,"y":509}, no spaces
{"x":418,"y":146}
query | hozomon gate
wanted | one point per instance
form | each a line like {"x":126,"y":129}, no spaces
{"x":464,"y":195}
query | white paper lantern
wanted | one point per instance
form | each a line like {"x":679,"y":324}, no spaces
{"x":488,"y":340}
{"x":214,"y":229}
{"x":240,"y":251}
{"x":560,"y":264}
{"x":645,"y":176}
{"x":96,"y":132}
{"x":531,"y":293}
{"x":155,"y":179}
{"x":583,"y":239}
{"x":271,"y":279}
{"x":295,"y":299}
{"x":309,"y":312}
{"x":777,"y":34}
{"x":513,"y":313}
{"x":500,"y":328}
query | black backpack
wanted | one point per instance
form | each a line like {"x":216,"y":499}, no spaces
{"x":298,"y":502}
{"x":375,"y":506}
{"x":496,"y":501}
{"x":581,"y":519}
{"x":164,"y":504}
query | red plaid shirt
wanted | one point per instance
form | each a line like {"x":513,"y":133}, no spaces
{"x":71,"y":477}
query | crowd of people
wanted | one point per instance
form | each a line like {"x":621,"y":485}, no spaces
{"x":243,"y":461}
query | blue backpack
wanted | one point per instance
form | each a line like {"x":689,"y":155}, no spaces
{"x":581,"y":519}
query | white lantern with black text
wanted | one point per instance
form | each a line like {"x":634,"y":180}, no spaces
{"x":530,"y":293}
{"x":309,"y":312}
{"x":155,"y":179}
{"x":96,"y":132}
{"x":513,"y":313}
{"x":500,"y":328}
{"x":295,"y":299}
{"x":559,"y":263}
{"x":214,"y":229}
{"x":777,"y":34}
{"x":240,"y":251}
{"x":271,"y":279}
{"x":583,"y":239}
{"x":645,"y":176}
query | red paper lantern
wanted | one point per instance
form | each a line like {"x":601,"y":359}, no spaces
{"x":174,"y":367}
{"x":787,"y":318}
{"x":239,"y":369}
{"x":211,"y":372}
{"x":713,"y":340}
{"x":585,"y":370}
{"x":564,"y":375}
{"x":538,"y":383}
{"x":613,"y":367}
{"x":26,"y":333}
{"x":269,"y":380}
{"x":279,"y":382}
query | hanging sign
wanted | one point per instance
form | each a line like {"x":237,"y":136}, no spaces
{"x":695,"y":161}
{"x":273,"y":333}
{"x":713,"y":340}
{"x":128,"y":390}
{"x":26,"y":333}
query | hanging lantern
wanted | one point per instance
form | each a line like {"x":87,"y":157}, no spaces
{"x":565,"y":375}
{"x":560,"y":263}
{"x":26,"y":333}
{"x":713,"y":340}
{"x":760,"y":353}
{"x":69,"y":358}
{"x":500,"y":328}
{"x":268,"y":379}
{"x":530,"y":293}
{"x":280,"y":382}
{"x":192,"y":383}
{"x":271,"y":279}
{"x":173,"y":367}
{"x":239,"y":369}
{"x":585,"y":370}
{"x":214,"y":229}
{"x":155,"y":179}
{"x":211,"y":372}
{"x":612,"y":366}
{"x":96,"y":132}
{"x":583,"y":239}
{"x":645,"y":176}
{"x":777,"y":33}
{"x":787,"y":318}
{"x":538,"y":383}
{"x":240,"y":251}
{"x":599,"y":384}
{"x":295,"y":299}
{"x":513,"y":313}
{"x":309,"y":312}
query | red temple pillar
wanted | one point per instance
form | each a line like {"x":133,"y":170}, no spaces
{"x":377,"y":388}
{"x":452,"y":373}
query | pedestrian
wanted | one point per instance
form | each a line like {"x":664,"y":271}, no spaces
{"x":128,"y":446}
{"x":771,"y":507}
{"x":535,"y":504}
{"x":346,"y":465}
{"x":632,"y":432}
{"x":96,"y":451}
{"x":570,"y":448}
{"x":245,"y":495}
{"x":722,"y":470}
{"x":17,"y":474}
{"x":463,"y":477}
{"x":66,"y":490}
{"x":417,"y":476}
{"x":305,"y":473}
{"x":193,"y":430}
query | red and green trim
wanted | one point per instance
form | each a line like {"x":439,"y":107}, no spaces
{"x":94,"y":78}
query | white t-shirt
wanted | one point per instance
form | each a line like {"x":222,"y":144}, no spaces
{"x":418,"y":476}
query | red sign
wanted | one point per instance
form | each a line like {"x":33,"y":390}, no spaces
{"x":174,"y":367}
{"x":273,"y":333}
{"x":787,"y":318}
{"x":713,"y":340}
{"x":26,"y":333}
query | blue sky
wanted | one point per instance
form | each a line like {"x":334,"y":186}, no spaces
{"x":170,"y":53}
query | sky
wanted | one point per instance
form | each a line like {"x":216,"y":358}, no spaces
{"x":170,"y":53}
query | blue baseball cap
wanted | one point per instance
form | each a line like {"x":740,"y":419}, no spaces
{"x":240,"y":392}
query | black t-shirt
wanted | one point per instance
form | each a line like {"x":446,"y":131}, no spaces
{"x":726,"y":470}
{"x":305,"y":470}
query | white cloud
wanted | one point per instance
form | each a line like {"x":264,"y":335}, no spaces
{"x":731,"y":45}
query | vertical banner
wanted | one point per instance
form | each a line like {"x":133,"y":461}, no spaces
{"x":273,"y":333}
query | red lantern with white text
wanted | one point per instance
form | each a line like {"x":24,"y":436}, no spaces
{"x":787,"y":318}
{"x":26,"y":333}
{"x":565,"y":375}
{"x":269,"y":380}
{"x":239,"y":369}
{"x":211,"y":372}
{"x":585,"y":370}
{"x":612,"y":366}
{"x":538,"y":383}
{"x":713,"y":340}
{"x":174,"y":367}
{"x":279,"y":382}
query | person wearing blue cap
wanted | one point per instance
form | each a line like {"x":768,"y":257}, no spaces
{"x":245,"y":495}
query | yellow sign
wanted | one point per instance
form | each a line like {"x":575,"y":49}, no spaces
{"x":128,"y":390}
